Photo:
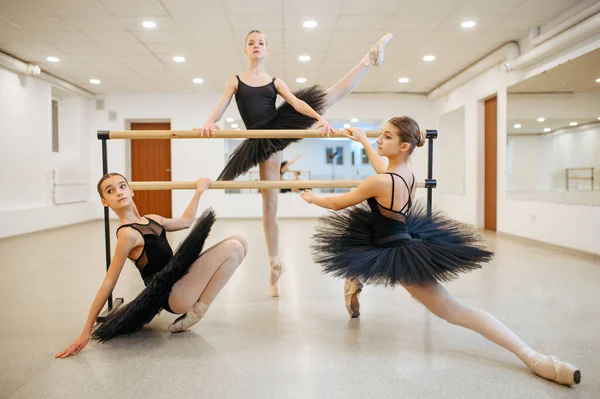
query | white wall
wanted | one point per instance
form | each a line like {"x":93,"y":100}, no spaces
{"x":193,"y":158}
{"x":26,"y":157}
{"x":574,"y":226}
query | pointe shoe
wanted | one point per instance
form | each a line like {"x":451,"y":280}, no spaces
{"x":276,"y":271}
{"x":352,"y":289}
{"x":564,"y":373}
{"x":375,"y":56}
{"x":189,"y":319}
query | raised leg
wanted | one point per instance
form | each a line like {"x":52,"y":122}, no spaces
{"x":441,"y":303}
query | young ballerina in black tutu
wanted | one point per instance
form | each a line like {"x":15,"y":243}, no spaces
{"x":255,"y":94}
{"x":393,"y":241}
{"x":185,"y":282}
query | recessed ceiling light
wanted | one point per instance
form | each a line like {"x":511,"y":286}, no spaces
{"x":547,"y":130}
{"x":598,"y":80}
{"x":403,"y":80}
{"x":573,"y":123}
{"x":149,"y":24}
{"x":541,"y":119}
{"x":517,"y":126}
{"x":229,"y":120}
{"x":304,"y":58}
{"x":234,"y":125}
{"x":346,"y":125}
{"x":309,"y":24}
{"x":179,"y":58}
{"x":599,"y":118}
{"x":353,"y":120}
{"x":468,"y":24}
{"x":95,"y":81}
{"x":428,"y":58}
{"x":53,"y":59}
{"x":198,"y":80}
{"x":301,"y":80}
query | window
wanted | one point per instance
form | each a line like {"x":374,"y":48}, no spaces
{"x":54,"y":126}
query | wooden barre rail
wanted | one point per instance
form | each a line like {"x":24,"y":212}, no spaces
{"x":257,"y":184}
{"x":222,"y":134}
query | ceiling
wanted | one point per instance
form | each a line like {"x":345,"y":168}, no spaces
{"x":576,"y":76}
{"x":105,"y":39}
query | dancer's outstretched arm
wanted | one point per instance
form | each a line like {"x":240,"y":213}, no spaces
{"x":374,"y":186}
{"x":127,"y":239}
{"x":302,"y":107}
{"x":211,"y":123}
{"x":187,"y":219}
{"x":357,"y":134}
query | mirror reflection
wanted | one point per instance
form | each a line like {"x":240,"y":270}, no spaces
{"x":335,"y":158}
{"x":553,"y":134}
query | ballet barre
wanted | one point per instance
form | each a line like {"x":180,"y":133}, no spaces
{"x":255,"y":184}
{"x":105,"y":135}
{"x":221,"y":134}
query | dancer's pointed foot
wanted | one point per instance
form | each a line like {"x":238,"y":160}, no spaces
{"x":189,"y":319}
{"x":375,"y":56}
{"x":352,"y":289}
{"x":276,"y":271}
{"x":550,"y":367}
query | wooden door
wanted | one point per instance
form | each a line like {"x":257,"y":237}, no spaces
{"x":151,"y":161}
{"x":491,"y":163}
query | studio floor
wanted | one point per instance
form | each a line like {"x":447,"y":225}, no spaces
{"x":301,"y":345}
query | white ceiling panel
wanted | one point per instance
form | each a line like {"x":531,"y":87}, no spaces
{"x":65,"y":7}
{"x":361,"y":7}
{"x":427,"y":7}
{"x":478,"y":8}
{"x":37,"y":23}
{"x":106,"y":36}
{"x":95,"y":23}
{"x":311,"y":8}
{"x":246,"y":23}
{"x":195,"y":9}
{"x":543,"y":8}
{"x":213,"y":25}
{"x":255,"y":7}
{"x":324,"y":22}
{"x":135,"y":7}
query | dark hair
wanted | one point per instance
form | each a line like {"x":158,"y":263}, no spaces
{"x":283,"y":163}
{"x":106,"y":176}
{"x":255,"y":31}
{"x":409,"y":131}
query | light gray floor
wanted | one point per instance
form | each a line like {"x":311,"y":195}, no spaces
{"x":302,"y":345}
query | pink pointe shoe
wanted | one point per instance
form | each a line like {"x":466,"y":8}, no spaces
{"x":375,"y":56}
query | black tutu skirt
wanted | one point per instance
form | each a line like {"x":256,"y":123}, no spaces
{"x":151,"y":300}
{"x":437,"y":249}
{"x":254,"y":151}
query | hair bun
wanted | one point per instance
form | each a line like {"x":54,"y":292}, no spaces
{"x":422,"y":135}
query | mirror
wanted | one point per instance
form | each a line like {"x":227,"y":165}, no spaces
{"x":553,"y":134}
{"x":336,"y":158}
{"x":449,"y":164}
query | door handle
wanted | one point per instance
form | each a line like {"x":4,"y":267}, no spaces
{"x":167,"y":170}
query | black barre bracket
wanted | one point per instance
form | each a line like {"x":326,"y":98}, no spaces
{"x":116,"y":303}
{"x":103,"y":134}
{"x":431,"y":134}
{"x":430,"y":183}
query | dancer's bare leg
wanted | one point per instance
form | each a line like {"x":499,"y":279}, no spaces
{"x":441,"y":303}
{"x":350,"y":81}
{"x":269,"y":170}
{"x":196,"y":291}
